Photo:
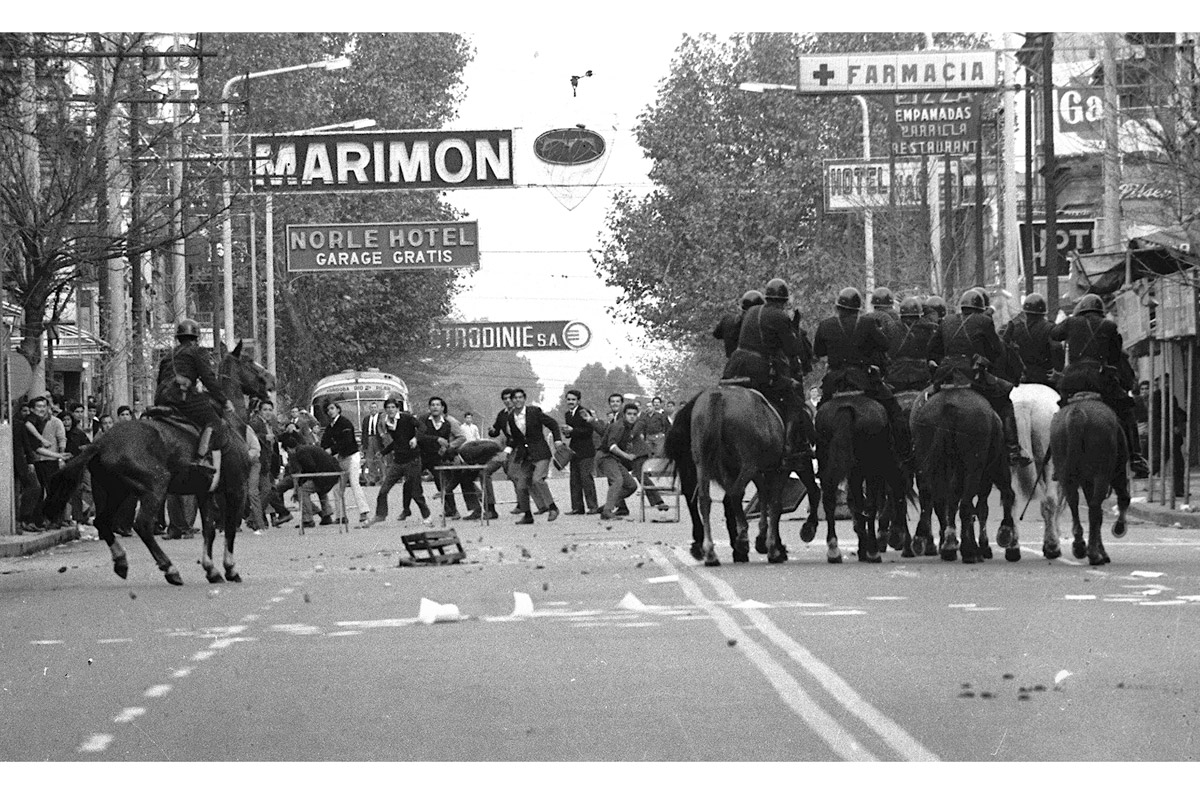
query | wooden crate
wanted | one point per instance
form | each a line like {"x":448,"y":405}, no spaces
{"x":430,"y":547}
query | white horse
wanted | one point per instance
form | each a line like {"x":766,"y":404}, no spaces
{"x":1034,"y":406}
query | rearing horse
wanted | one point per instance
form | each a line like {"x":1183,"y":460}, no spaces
{"x":144,"y":460}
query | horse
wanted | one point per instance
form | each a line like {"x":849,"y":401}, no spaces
{"x":1035,"y":405}
{"x":737,"y":437}
{"x":958,"y":446}
{"x":1090,"y":451}
{"x":893,"y":516}
{"x":141,"y":461}
{"x":853,"y":444}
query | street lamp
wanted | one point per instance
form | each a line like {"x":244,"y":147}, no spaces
{"x":227,"y":151}
{"x":868,"y":214}
{"x":269,"y":222}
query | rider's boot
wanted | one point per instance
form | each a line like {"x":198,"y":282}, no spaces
{"x":1016,"y":457}
{"x":1137,"y":464}
{"x":203,"y":453}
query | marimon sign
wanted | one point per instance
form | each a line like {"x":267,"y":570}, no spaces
{"x":925,"y":71}
{"x":382,"y":245}
{"x":559,"y":335}
{"x":382,"y":160}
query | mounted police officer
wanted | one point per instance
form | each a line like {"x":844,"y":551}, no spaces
{"x":908,"y":358}
{"x":181,"y":374}
{"x":730,"y":326}
{"x":771,"y":348}
{"x":883,"y":308}
{"x":934,"y":309}
{"x":855,"y":346}
{"x":965,"y":346}
{"x":1030,"y":332}
{"x":1095,"y":349}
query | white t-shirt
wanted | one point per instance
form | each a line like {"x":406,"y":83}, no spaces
{"x":470,"y":430}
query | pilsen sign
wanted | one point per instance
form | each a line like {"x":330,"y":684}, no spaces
{"x":382,"y":160}
{"x":925,"y":71}
{"x":559,"y":335}
{"x":382,"y":245}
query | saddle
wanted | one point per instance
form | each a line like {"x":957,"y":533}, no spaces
{"x":171,"y":416}
{"x":848,"y":393}
{"x":1080,"y":396}
{"x":735,"y":382}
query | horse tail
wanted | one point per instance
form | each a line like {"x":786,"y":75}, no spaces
{"x":840,"y":450}
{"x":64,"y":482}
{"x":939,"y":461}
{"x":712,"y":444}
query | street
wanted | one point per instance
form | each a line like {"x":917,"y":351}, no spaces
{"x":632,"y":651}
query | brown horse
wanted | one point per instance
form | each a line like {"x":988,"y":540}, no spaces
{"x":736,"y":439}
{"x":854,"y":445}
{"x":142,"y":461}
{"x":958,"y":446}
{"x":1090,"y":453}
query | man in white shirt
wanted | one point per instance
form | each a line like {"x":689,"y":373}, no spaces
{"x":372,"y":444}
{"x":470,"y":430}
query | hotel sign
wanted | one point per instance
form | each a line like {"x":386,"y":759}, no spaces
{"x":560,"y":335}
{"x":382,"y":245}
{"x":923,"y":71}
{"x":330,"y":162}
{"x":857,"y":184}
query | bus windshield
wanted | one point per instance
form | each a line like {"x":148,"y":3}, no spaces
{"x":354,"y":392}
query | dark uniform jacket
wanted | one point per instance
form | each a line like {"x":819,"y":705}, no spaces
{"x":908,"y":358}
{"x":727,"y":331}
{"x":889,"y":322}
{"x":1031,"y":335}
{"x":960,"y":341}
{"x":581,"y":438}
{"x":530,"y":444}
{"x":1094,"y":348}
{"x":766,"y":344}
{"x":339,"y":437}
{"x":852,"y":343}
{"x":500,"y":423}
{"x":190,"y":362}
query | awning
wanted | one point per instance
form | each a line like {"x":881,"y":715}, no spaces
{"x":1153,"y":250}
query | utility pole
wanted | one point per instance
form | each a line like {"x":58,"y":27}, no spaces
{"x":1012,"y":247}
{"x":1111,"y":230}
{"x":1050,"y":174}
{"x":932,"y":192}
{"x":137,"y":294}
{"x":116,"y":373}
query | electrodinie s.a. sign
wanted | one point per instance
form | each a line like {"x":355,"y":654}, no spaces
{"x":382,"y":245}
{"x":557,"y":335}
{"x":377,"y":160}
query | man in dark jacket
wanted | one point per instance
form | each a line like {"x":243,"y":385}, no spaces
{"x":526,"y":429}
{"x":908,"y":358}
{"x":400,"y":458}
{"x":307,"y":459}
{"x":1095,"y":348}
{"x":1030,"y":332}
{"x":583,"y":456}
{"x":730,"y":326}
{"x":437,"y":435}
{"x":339,"y":440}
{"x":965,"y":346}
{"x":181,"y":373}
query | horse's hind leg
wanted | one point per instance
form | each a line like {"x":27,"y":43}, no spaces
{"x":704,"y":506}
{"x":829,"y":503}
{"x":981,"y":518}
{"x":864,"y":518}
{"x":150,"y":506}
{"x":808,"y":530}
{"x":1095,"y":499}
{"x":1121,"y":487}
{"x":231,"y":514}
{"x":207,"y":505}
{"x":1078,"y":545}
{"x":109,"y":494}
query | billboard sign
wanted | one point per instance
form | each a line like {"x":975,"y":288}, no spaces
{"x":1073,"y":235}
{"x":376,"y":160}
{"x":856,"y":184}
{"x":920,"y":71}
{"x":933,"y":123}
{"x":558,"y":335}
{"x":382,"y":245}
{"x":1080,"y":110}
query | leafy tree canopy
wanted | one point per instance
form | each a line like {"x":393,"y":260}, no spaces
{"x":595,"y":384}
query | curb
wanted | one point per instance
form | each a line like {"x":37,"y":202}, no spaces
{"x":27,"y":543}
{"x":1168,"y":517}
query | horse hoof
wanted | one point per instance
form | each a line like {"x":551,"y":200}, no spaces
{"x":1096,"y":560}
{"x":1051,"y":553}
{"x":1004,"y":536}
{"x":834,"y":559}
{"x":173,"y":577}
{"x":233,"y":576}
{"x":986,"y":552}
{"x":712,"y":561}
{"x":949,"y":555}
{"x":871,"y":558}
{"x":969,"y":559}
{"x":918,"y":546}
{"x":1012,"y":554}
{"x":697,"y":551}
{"x":741,"y":556}
{"x":808,"y":531}
{"x":896,"y":539}
{"x":760,"y":545}
{"x":121,"y":568}
{"x":881,"y":543}
{"x":1118,"y":528}
{"x":777,"y":557}
{"x":908,"y":552}
{"x":1079,"y":549}
{"x":214,"y":576}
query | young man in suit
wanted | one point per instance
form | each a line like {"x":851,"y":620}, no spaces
{"x":526,"y":429}
{"x":372,"y":444}
{"x":583,"y":456}
{"x":500,"y":459}
{"x":442,"y":430}
{"x":339,"y":441}
{"x":399,"y":432}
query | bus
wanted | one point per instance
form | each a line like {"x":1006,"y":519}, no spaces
{"x":354,"y":391}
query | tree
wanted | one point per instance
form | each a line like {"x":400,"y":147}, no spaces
{"x":677,"y":375}
{"x":595,"y":384}
{"x":337,"y":321}
{"x":738,"y":195}
{"x":468,"y":381}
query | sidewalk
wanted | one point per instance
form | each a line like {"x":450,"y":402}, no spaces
{"x":27,"y":543}
{"x":1161,"y":513}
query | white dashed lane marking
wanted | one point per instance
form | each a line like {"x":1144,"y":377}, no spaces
{"x":157,"y":691}
{"x":98,"y":743}
{"x":129,"y":714}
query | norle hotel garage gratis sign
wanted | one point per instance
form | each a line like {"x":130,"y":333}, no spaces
{"x":925,"y":71}
{"x":329,"y":162}
{"x":382,"y":245}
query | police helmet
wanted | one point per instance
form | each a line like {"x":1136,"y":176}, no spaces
{"x":987,"y":300}
{"x":1089,"y":302}
{"x":934,"y":303}
{"x":882,"y":297}
{"x":1034,"y":304}
{"x":187,"y":327}
{"x":777,"y":289}
{"x":972,"y":300}
{"x":752,"y":298}
{"x":850,"y":299}
{"x":910,"y":307}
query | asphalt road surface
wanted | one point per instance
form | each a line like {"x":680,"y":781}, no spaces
{"x":624,"y":650}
